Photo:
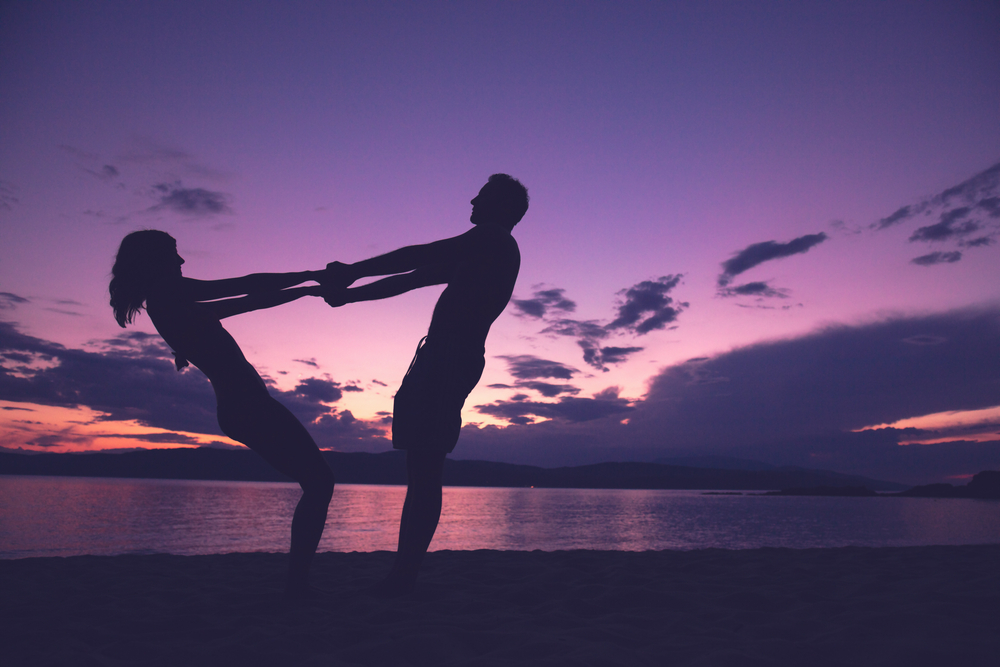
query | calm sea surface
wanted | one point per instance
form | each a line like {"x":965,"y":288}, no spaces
{"x":68,"y":516}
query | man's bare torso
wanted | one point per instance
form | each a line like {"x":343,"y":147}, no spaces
{"x":480,"y":285}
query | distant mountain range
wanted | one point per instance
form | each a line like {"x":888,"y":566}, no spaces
{"x":390,"y":468}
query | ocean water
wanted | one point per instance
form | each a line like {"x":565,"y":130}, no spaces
{"x":68,"y":516}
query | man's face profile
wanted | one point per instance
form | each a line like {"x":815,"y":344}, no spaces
{"x":486,"y":206}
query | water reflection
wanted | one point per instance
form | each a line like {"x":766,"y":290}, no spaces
{"x":61,"y":516}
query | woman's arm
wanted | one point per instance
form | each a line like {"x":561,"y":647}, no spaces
{"x":392,"y":286}
{"x":258,"y":301}
{"x":209,"y":290}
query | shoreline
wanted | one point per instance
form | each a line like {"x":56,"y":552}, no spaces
{"x":846,"y":605}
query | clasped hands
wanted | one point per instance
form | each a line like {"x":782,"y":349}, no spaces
{"x":334,"y":282}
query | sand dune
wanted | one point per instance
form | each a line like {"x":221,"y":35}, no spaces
{"x":849,"y":606}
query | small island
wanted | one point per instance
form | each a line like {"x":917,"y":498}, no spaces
{"x":985,"y":485}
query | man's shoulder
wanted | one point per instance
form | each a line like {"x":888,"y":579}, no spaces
{"x":491,"y":234}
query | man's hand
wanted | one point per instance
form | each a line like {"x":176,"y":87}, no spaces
{"x":336,"y":276}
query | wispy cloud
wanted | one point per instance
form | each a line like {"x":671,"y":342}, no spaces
{"x":543,"y":302}
{"x":760,"y":289}
{"x":569,"y":409}
{"x":91,"y":163}
{"x":948,"y":228}
{"x":971,"y":207}
{"x":937,"y":258}
{"x":193,"y":202}
{"x":530,"y":367}
{"x":10,"y":301}
{"x":758,"y":253}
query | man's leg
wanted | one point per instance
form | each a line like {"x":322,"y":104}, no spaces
{"x":421,"y":512}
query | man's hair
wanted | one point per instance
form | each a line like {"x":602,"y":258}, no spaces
{"x":513,"y":196}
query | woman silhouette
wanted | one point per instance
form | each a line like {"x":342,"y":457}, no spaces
{"x":186,"y":314}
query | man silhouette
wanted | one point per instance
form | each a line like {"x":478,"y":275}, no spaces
{"x":479,"y":268}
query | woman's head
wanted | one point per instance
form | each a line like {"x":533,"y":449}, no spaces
{"x":143,"y":257}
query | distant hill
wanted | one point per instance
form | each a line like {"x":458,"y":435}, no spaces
{"x":390,"y":468}
{"x":984,"y":485}
{"x":718,"y":462}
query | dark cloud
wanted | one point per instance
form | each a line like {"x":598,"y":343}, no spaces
{"x":307,"y":362}
{"x":967,"y":208}
{"x":109,"y":170}
{"x":547,"y":389}
{"x":132,"y":377}
{"x":759,"y":253}
{"x":9,"y":301}
{"x":937,"y":258}
{"x":642,"y":308}
{"x":646,"y":306}
{"x":379,"y":383}
{"x":600,"y":356}
{"x":156,"y":438}
{"x":616,"y":355}
{"x":320,"y":390}
{"x":795,"y":402}
{"x":991,"y":205}
{"x":979,"y":187}
{"x":195,"y":202}
{"x":530,"y":367}
{"x":758,"y":289}
{"x":835,"y":380}
{"x":567,"y":409}
{"x":544,"y":301}
{"x":948,"y":227}
{"x":900,"y":215}
{"x":978,"y":242}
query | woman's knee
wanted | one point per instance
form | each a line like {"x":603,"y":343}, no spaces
{"x":320,"y":485}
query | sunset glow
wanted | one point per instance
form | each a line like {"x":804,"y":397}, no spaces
{"x":743,"y":219}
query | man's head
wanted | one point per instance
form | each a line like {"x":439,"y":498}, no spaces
{"x":502,"y":201}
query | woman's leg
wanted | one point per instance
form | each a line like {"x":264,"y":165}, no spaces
{"x":271,"y":430}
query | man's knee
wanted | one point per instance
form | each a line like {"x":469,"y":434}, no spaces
{"x":424,"y":468}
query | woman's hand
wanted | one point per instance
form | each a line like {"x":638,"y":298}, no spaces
{"x":335,"y":296}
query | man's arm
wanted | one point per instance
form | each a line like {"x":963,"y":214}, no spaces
{"x":408,"y":258}
{"x":436,"y":274}
{"x":258,"y":301}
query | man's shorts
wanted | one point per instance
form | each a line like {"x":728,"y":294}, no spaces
{"x":427,"y":412}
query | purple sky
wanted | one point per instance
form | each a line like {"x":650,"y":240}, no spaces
{"x":802,"y":197}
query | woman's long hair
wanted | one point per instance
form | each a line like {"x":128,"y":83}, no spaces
{"x":140,"y":261}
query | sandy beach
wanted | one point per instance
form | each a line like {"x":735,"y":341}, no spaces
{"x":857,"y":606}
